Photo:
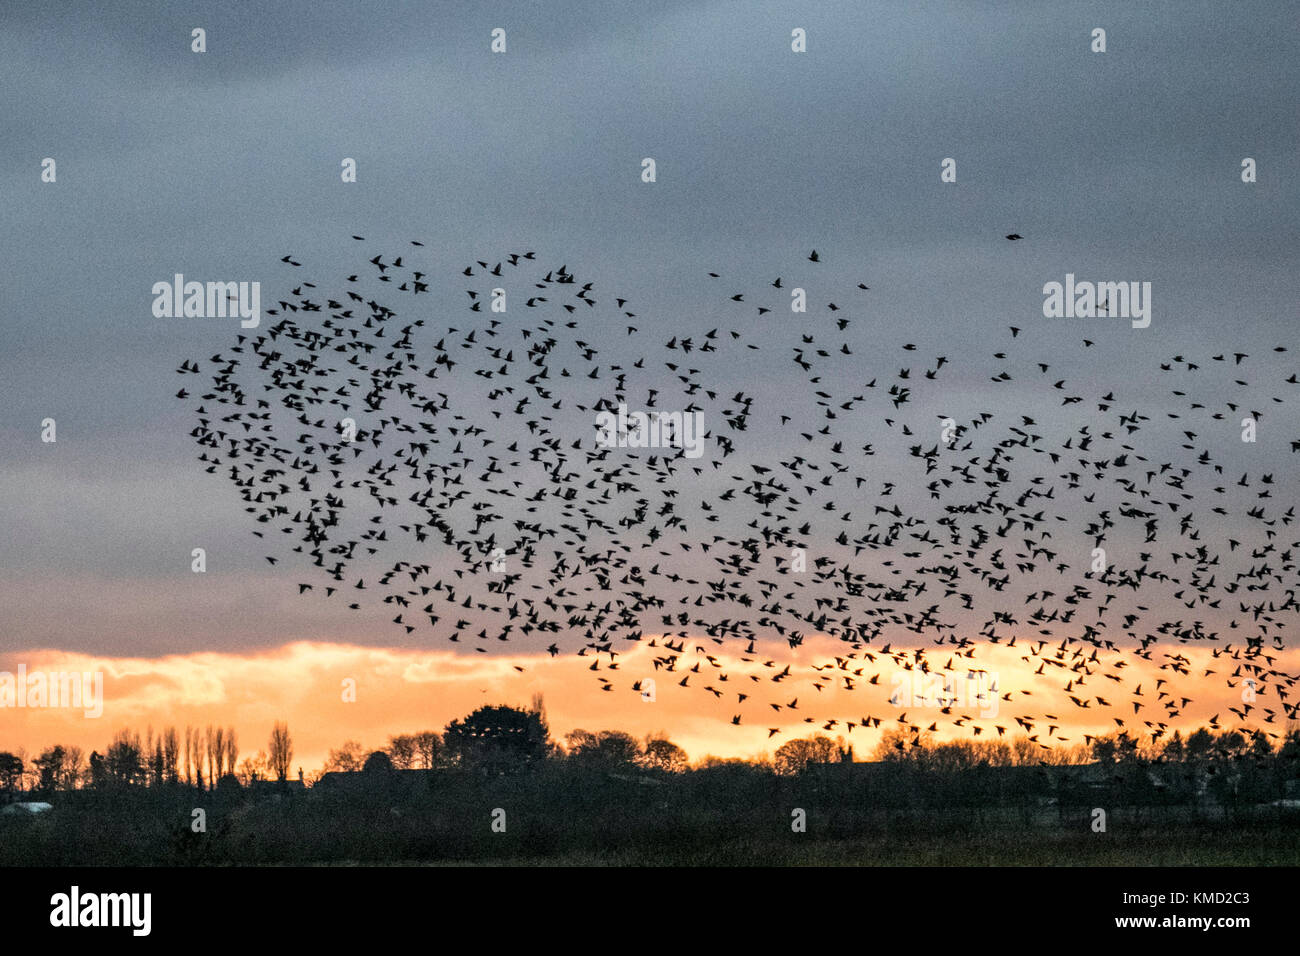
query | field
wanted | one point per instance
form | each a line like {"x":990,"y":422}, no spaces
{"x":702,"y":819}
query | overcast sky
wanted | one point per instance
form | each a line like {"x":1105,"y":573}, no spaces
{"x":1122,"y":165}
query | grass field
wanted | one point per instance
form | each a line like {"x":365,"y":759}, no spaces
{"x":740,"y":818}
{"x":276,"y":838}
{"x":1191,"y":848}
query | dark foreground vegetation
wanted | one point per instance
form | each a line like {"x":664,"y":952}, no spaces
{"x":716,"y":816}
{"x":493,"y":788}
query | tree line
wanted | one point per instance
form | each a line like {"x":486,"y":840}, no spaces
{"x":505,"y":739}
{"x":201,"y":758}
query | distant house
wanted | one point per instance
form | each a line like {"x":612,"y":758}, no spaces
{"x":31,"y":808}
{"x":358,"y":781}
{"x":276,"y":788}
{"x":1290,"y":796}
{"x":643,"y":779}
{"x":376,"y":776}
{"x":841,"y":770}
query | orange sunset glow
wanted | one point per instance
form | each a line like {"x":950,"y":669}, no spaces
{"x":402,"y":691}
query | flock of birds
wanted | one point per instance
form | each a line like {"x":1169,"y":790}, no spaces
{"x":474,"y":503}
